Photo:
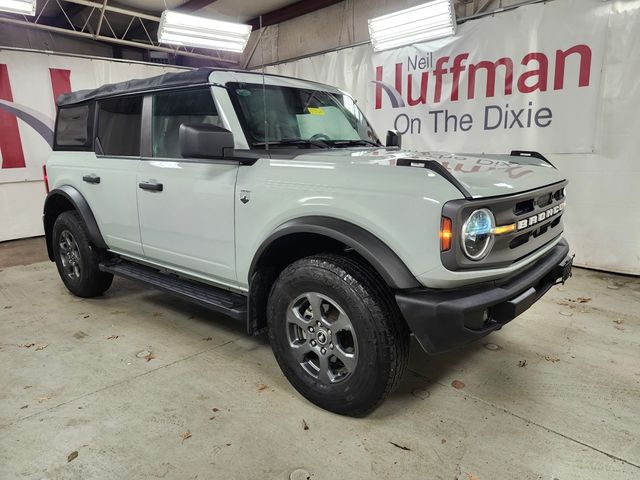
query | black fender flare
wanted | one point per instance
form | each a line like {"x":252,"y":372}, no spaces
{"x":80,"y":204}
{"x":382,"y":258}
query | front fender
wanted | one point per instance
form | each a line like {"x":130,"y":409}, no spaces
{"x":384,"y":260}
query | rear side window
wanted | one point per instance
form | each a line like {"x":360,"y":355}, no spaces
{"x":119,"y":126}
{"x":74,"y":127}
{"x":170,"y":110}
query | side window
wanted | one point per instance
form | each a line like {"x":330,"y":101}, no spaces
{"x":170,"y":110}
{"x":74,"y":128}
{"x":119,"y":126}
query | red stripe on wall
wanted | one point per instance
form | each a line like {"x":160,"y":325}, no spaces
{"x":60,"y":82}
{"x":10,"y":141}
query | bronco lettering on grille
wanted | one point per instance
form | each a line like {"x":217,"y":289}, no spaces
{"x":540,"y":217}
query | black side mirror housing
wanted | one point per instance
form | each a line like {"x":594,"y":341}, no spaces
{"x":394,"y":138}
{"x":204,"y":141}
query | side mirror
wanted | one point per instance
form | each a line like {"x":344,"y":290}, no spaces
{"x":204,"y":141}
{"x":394,"y":138}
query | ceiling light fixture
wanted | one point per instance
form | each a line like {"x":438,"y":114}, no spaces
{"x":22,"y":7}
{"x":193,"y":31}
{"x":429,"y":21}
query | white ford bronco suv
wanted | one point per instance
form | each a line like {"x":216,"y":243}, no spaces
{"x":271,"y":200}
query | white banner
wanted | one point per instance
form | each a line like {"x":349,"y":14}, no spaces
{"x":528,"y":79}
{"x":29,"y":82}
{"x":591,"y":134}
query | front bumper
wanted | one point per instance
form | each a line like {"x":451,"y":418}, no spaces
{"x":445,"y":319}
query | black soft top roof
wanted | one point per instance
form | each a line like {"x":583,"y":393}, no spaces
{"x":159,"y":82}
{"x":177,"y":79}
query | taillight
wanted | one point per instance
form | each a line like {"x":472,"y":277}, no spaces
{"x":446,"y":234}
{"x":45,"y":178}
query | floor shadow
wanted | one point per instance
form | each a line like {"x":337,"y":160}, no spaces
{"x":423,"y":373}
{"x":23,"y":252}
{"x":130,"y":290}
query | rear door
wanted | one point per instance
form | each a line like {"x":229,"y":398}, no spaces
{"x":185,"y":205}
{"x":107,"y":179}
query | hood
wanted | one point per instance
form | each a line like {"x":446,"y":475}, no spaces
{"x":476,"y":176}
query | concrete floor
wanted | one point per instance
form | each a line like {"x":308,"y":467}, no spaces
{"x":555,"y":395}
{"x":23,"y":252}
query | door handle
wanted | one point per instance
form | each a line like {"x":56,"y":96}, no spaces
{"x":152,"y":186}
{"x":91,"y":179}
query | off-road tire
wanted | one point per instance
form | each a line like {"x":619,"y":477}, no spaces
{"x":91,"y":281}
{"x":382,"y":335}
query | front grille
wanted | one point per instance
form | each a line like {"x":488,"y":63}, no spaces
{"x":523,"y":207}
{"x":519,"y":208}
{"x":533,"y":234}
{"x":542,"y":202}
{"x":545,"y":200}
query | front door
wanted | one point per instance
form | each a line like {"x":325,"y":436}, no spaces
{"x":186,"y":206}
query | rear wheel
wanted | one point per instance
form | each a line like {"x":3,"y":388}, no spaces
{"x":77,"y":260}
{"x":337,"y":333}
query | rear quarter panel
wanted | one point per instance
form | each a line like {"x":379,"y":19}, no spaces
{"x":113,"y":201}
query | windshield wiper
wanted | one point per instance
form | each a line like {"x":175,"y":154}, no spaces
{"x":354,"y":142}
{"x":295,"y":141}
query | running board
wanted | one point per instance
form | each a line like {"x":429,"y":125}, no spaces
{"x":223,"y":301}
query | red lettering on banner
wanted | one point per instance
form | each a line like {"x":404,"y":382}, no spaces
{"x":531,"y":75}
{"x":540,"y":73}
{"x":60,"y":82}
{"x":10,"y":141}
{"x":424,"y":82}
{"x":491,"y":68}
{"x":399,"y":78}
{"x":438,"y":73}
{"x":378,"y":88}
{"x":585,"y":66}
{"x":456,"y":70}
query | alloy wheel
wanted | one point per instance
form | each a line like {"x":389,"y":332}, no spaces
{"x":70,"y":255}
{"x":321,"y":337}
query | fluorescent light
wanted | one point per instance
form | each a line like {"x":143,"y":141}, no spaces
{"x":23,"y":7}
{"x":429,"y":21}
{"x":193,"y":31}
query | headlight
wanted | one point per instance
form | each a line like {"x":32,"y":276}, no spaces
{"x":476,"y":234}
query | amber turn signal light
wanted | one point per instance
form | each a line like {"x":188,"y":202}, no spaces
{"x":446,"y":234}
{"x":504,"y":229}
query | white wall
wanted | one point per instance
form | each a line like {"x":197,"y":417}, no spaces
{"x":21,"y":209}
{"x":603,"y":221}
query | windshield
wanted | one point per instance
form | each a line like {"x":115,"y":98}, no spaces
{"x":304,"y":118}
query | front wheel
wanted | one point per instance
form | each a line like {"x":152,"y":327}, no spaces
{"x":337,"y":334}
{"x":77,"y":260}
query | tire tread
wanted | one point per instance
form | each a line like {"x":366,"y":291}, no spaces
{"x":365,"y":282}
{"x":97,"y":281}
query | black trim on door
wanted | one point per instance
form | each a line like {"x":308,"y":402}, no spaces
{"x":91,"y":178}
{"x":152,"y":186}
{"x":146,"y":145}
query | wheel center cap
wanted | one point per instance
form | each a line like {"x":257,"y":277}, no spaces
{"x":321,"y":337}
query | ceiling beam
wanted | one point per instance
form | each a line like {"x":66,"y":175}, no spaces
{"x":117,"y":41}
{"x":193,"y":5}
{"x":60,"y":20}
{"x":291,"y":11}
